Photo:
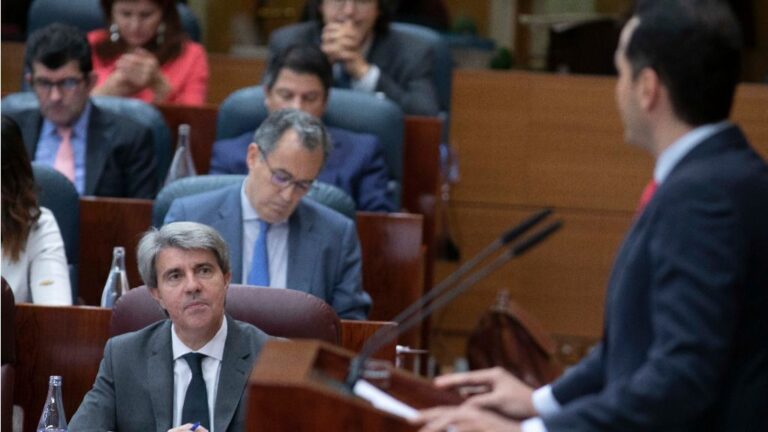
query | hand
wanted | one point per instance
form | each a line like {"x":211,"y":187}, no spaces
{"x":187,"y":428}
{"x":142,"y":70}
{"x":464,"y":419}
{"x":342,"y":42}
{"x":503,"y":392}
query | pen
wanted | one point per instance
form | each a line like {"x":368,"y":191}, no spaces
{"x":195,"y":425}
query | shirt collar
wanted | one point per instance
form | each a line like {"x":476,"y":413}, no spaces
{"x":672,"y":155}
{"x":79,"y":129}
{"x":214,"y":348}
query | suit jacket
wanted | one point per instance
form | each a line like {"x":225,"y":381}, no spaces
{"x":134,"y":387}
{"x":323,"y":249}
{"x":120,"y":156}
{"x":355,"y":165}
{"x":686,"y":330}
{"x":406,"y":64}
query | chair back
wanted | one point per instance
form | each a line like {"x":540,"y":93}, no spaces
{"x":324,"y":193}
{"x":87,"y":15}
{"x":244,"y":110}
{"x":58,"y":194}
{"x":278,"y":312}
{"x":137,"y":110}
{"x":443,"y":61}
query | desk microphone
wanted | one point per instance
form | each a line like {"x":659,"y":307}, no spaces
{"x":450,"y":288}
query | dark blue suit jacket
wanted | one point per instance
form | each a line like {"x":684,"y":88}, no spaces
{"x":686,"y":324}
{"x":356,"y":165}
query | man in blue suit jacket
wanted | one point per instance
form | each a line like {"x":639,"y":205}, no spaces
{"x":306,"y":246}
{"x":300,"y":78}
{"x":685,"y":346}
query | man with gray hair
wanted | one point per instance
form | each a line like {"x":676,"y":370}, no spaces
{"x":185,"y":373}
{"x":277,"y":238}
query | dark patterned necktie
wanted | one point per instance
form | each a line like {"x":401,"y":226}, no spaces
{"x":196,"y":400}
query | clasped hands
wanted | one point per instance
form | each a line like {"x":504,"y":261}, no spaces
{"x":502,"y":402}
{"x":342,"y":42}
{"x":134,"y":71}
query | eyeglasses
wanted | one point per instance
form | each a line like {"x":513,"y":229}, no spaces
{"x":340,"y":3}
{"x":65,"y":85}
{"x":283,"y":179}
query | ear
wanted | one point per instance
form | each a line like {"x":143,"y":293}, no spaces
{"x":648,"y":88}
{"x":155,"y":293}
{"x":253,"y":155}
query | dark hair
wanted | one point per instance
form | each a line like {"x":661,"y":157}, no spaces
{"x":695,"y":48}
{"x":309,"y":128}
{"x":56,"y":45}
{"x":173,"y":35}
{"x":20,"y":211}
{"x":386,"y":11}
{"x":304,"y":59}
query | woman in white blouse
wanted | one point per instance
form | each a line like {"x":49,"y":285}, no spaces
{"x":33,"y":259}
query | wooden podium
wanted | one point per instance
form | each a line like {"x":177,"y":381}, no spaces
{"x":298,"y":386}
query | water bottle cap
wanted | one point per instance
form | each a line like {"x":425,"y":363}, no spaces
{"x":55,"y":379}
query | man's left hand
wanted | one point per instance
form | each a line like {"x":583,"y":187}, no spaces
{"x":464,"y":418}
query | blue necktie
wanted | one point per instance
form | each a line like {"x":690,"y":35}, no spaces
{"x":259,"y":274}
{"x":195,"y":407}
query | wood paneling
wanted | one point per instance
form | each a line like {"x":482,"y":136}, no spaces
{"x":104,"y":224}
{"x":202,"y":121}
{"x":57,"y":340}
{"x":12,"y":66}
{"x":228,"y":73}
{"x":527,"y":141}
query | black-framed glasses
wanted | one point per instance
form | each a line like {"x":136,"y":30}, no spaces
{"x":65,"y":85}
{"x":283,"y":179}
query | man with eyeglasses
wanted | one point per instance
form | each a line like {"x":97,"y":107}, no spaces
{"x":301,"y":78}
{"x":102,"y":153}
{"x":275,"y":237}
{"x":367,"y":54}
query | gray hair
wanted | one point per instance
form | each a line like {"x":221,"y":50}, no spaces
{"x":310,"y":129}
{"x":180,"y":235}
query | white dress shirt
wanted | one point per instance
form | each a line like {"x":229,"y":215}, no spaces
{"x":211,"y":365}
{"x":277,"y":244}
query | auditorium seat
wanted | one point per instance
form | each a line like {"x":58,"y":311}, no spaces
{"x":87,"y":15}
{"x":244,"y":110}
{"x":324,"y":193}
{"x":58,"y":194}
{"x":279,"y":312}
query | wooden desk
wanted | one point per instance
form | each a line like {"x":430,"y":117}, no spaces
{"x":202,"y":121}
{"x":104,"y":224}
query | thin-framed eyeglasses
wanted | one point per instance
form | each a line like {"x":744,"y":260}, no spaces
{"x":283,"y":179}
{"x":341,"y":3}
{"x":65,"y":85}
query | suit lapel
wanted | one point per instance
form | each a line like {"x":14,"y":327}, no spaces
{"x":302,"y":250}
{"x":160,"y":374}
{"x":235,"y":368}
{"x":96,"y":143}
{"x":30,"y":123}
{"x":230,"y":226}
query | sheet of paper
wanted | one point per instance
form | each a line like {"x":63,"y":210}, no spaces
{"x":384,"y":401}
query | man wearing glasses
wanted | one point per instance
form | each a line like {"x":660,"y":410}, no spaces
{"x":100,"y":152}
{"x":276,"y":238}
{"x":367,"y":54}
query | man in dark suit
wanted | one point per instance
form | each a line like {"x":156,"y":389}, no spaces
{"x":161,"y":377}
{"x":277,"y":238}
{"x":367,"y":54}
{"x":102,"y":153}
{"x":301,"y":78}
{"x":685,"y":344}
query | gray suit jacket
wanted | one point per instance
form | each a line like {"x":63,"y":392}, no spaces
{"x":134,"y":388}
{"x":406,"y":64}
{"x":323,"y":248}
{"x":120,"y":156}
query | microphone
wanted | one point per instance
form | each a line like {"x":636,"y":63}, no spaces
{"x":448,"y":289}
